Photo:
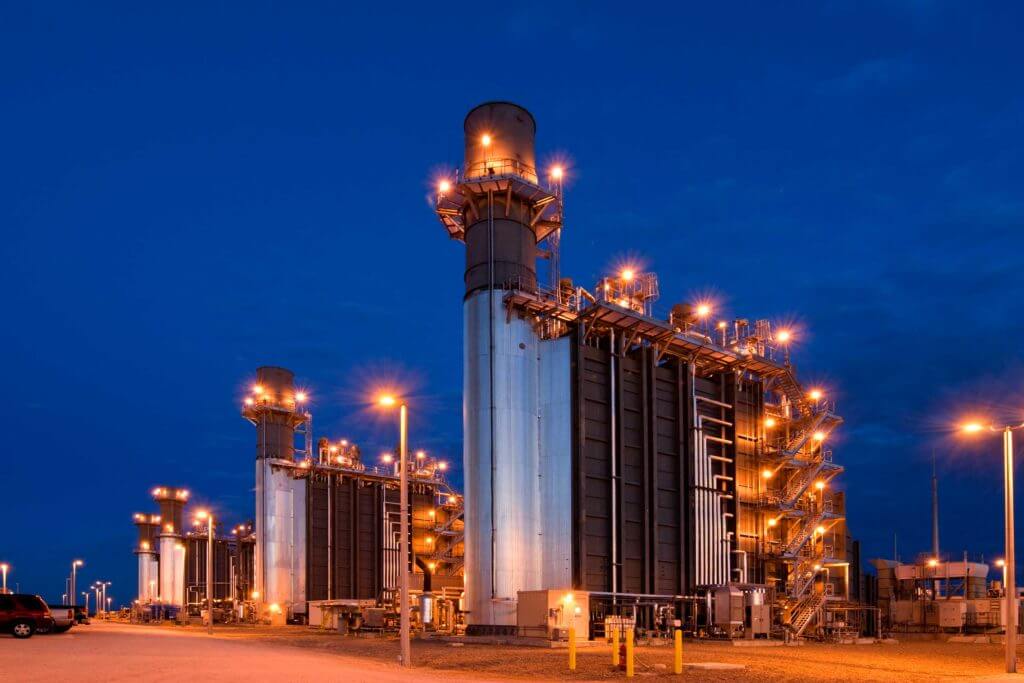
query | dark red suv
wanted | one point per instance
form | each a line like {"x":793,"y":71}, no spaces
{"x":22,"y":615}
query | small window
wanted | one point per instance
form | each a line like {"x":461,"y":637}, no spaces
{"x":31,"y":602}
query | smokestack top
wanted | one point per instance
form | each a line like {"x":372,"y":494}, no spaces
{"x":499,"y":141}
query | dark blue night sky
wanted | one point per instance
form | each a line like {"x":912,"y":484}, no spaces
{"x":188,"y":192}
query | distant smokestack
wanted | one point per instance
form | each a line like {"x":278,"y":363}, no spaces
{"x":935,"y":511}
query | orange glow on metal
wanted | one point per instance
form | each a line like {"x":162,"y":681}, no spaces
{"x":257,"y":388}
{"x":820,"y":530}
{"x":772,"y":521}
{"x":485,"y":140}
{"x":769,"y":422}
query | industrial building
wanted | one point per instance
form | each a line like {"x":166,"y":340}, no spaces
{"x":326,"y":528}
{"x":643,"y":467}
{"x":676,"y":463}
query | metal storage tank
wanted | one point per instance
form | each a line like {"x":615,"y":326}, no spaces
{"x":172,"y":552}
{"x":146,"y":550}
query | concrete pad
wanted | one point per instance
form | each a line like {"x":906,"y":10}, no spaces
{"x":758,"y":643}
{"x":715,"y":666}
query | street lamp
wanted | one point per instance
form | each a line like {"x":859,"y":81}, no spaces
{"x":3,"y":568}
{"x":1010,"y":567}
{"x":389,"y":401}
{"x":86,"y":594}
{"x":208,"y":516}
{"x":106,"y":600}
{"x":75,"y":564}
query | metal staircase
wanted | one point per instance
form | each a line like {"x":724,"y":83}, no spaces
{"x":799,"y":482}
{"x":801,"y":577}
{"x":796,"y":542}
{"x":805,"y":612}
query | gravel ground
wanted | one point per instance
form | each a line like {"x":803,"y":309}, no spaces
{"x":909,"y":661}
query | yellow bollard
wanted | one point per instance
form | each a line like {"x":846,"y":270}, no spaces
{"x":677,"y":666}
{"x":629,"y":653}
{"x":572,"y":648}
{"x":615,"y":646}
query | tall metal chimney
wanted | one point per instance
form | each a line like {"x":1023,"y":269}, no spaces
{"x":172,"y":552}
{"x":501,"y":210}
{"x":146,"y":549}
{"x":275,"y":408}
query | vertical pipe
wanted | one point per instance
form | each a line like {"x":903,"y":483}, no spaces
{"x":490,"y":381}
{"x":209,"y":578}
{"x":1011,"y":567}
{"x":613,"y":443}
{"x":330,"y":537}
{"x":935,"y":510}
{"x":404,"y":530}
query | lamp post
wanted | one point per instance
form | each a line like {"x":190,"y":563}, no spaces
{"x":1010,"y":566}
{"x":106,"y":600}
{"x":208,"y":516}
{"x":3,"y":568}
{"x":75,"y":564}
{"x":96,"y":590}
{"x":86,"y":594}
{"x":403,"y":545}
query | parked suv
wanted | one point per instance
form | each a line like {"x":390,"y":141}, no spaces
{"x":21,"y":615}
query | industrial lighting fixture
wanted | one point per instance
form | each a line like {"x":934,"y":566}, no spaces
{"x":432,"y":566}
{"x":1000,"y":563}
{"x":767,"y":474}
{"x":421,"y":454}
{"x":627,"y":275}
{"x":820,"y":530}
{"x":255,"y":595}
{"x":485,"y":140}
{"x":783,"y":336}
{"x":703,"y":310}
{"x":820,"y":485}
{"x":452,"y":500}
{"x":722,"y":324}
{"x":568,"y":599}
{"x":933,"y":563}
{"x":815,"y":394}
{"x":819,"y":436}
{"x":387,"y":400}
{"x":817,"y":567}
{"x":301,"y":396}
{"x":444,"y":186}
{"x":249,"y":401}
{"x":772,"y":521}
{"x":257,"y":389}
{"x":387,"y":458}
{"x":442,"y":466}
{"x":769,"y":422}
{"x":1012,"y":603}
{"x":556,"y":172}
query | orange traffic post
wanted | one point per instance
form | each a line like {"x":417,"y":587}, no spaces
{"x":615,"y":646}
{"x":677,"y":664}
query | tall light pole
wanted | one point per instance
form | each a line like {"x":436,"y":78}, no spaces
{"x":96,"y":590}
{"x":1011,"y":567}
{"x":3,"y":568}
{"x":86,"y":594}
{"x":403,"y":544}
{"x":208,"y":516}
{"x":106,"y":600}
{"x":75,"y":564}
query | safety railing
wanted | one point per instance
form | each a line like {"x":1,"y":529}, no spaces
{"x":499,"y":167}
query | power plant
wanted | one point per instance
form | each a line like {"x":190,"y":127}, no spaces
{"x":645,"y":469}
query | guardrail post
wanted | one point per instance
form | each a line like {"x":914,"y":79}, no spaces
{"x":615,"y":646}
{"x":629,"y":653}
{"x":572,"y":648}
{"x":677,"y":664}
